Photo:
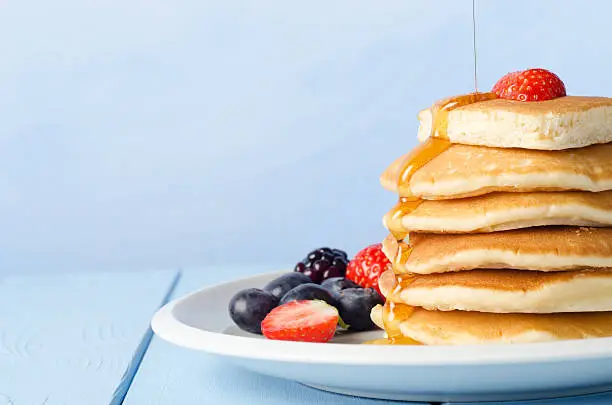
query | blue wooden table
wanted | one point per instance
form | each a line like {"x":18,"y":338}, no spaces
{"x":85,"y":340}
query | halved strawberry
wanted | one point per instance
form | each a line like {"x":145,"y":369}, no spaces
{"x":530,"y":85}
{"x":367,"y":266}
{"x":501,"y":87}
{"x":301,"y":321}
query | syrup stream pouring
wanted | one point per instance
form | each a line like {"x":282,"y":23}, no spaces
{"x":474,"y":45}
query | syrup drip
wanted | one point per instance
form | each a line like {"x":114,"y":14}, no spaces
{"x":438,"y":140}
{"x":424,"y":153}
{"x":437,"y":143}
{"x":393,"y":315}
{"x":404,"y":249}
{"x":404,"y":280}
{"x":405,"y":206}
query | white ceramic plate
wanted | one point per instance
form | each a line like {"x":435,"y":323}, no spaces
{"x":200,"y":321}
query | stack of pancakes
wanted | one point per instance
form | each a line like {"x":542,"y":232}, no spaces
{"x":512,"y":241}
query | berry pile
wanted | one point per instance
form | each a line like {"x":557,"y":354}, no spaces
{"x":309,"y":303}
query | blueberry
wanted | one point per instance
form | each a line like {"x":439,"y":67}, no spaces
{"x":281,"y":285}
{"x":309,"y":292}
{"x":337,"y":284}
{"x":249,"y":307}
{"x":355,"y":305}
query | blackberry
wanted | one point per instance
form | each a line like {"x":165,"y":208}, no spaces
{"x":323,"y":263}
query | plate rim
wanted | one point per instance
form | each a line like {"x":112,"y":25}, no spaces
{"x":165,"y":325}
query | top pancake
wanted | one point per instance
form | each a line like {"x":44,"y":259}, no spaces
{"x":466,"y":171}
{"x":561,"y":123}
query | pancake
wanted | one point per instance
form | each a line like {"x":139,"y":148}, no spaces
{"x":459,"y":327}
{"x":561,"y":123}
{"x":507,"y":291}
{"x":467,"y":171}
{"x":377,"y":316}
{"x":505,"y":211}
{"x":543,"y":249}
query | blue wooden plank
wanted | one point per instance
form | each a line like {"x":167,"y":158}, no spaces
{"x":598,"y":399}
{"x":68,"y":339}
{"x":173,"y":375}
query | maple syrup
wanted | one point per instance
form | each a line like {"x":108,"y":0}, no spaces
{"x":394,"y":341}
{"x":437,"y":143}
{"x":393,"y":315}
{"x":404,"y":280}
{"x":404,"y":206}
{"x":438,"y":140}
{"x":404,"y":249}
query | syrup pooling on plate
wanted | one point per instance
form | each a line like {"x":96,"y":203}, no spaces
{"x":394,"y":313}
{"x":394,"y":341}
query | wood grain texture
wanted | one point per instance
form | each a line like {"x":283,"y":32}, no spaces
{"x":69,"y":339}
{"x":173,"y":375}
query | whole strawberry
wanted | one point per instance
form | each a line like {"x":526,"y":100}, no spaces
{"x":530,"y":85}
{"x":367,"y":266}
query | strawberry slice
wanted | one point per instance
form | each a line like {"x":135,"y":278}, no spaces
{"x":301,"y":321}
{"x":530,"y":85}
{"x":367,"y":266}
{"x":501,"y":87}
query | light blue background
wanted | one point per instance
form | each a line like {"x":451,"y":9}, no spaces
{"x":153,"y":134}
